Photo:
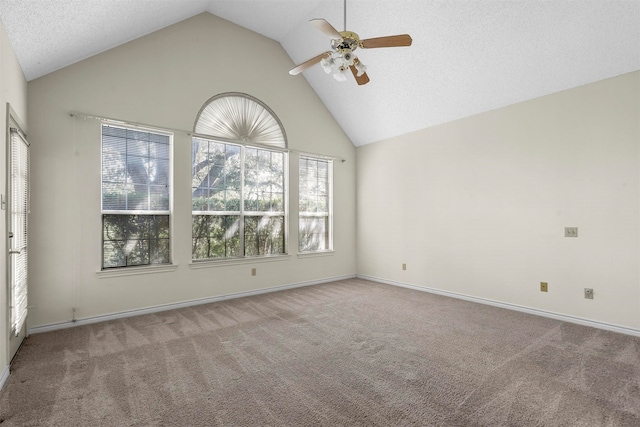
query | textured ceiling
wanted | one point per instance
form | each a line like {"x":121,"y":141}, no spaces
{"x":467,"y":57}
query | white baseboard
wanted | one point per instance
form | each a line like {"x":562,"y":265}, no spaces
{"x":172,"y":306}
{"x":552,"y":315}
{"x":5,"y":376}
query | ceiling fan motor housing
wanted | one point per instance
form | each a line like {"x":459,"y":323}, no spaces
{"x":350,"y":41}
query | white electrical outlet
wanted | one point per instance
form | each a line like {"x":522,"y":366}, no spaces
{"x":571,"y":232}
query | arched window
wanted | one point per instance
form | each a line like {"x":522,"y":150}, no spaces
{"x":238,"y":186}
{"x":240,"y":117}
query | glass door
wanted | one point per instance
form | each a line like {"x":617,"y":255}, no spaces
{"x":18,"y":208}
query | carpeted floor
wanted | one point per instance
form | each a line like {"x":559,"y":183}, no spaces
{"x":348,"y":353}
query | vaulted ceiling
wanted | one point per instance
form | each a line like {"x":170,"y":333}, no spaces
{"x":467,"y":57}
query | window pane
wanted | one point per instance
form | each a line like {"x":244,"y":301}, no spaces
{"x":161,"y":226}
{"x":313,"y":234}
{"x":264,"y":235}
{"x":215,"y":236}
{"x":216,"y":199}
{"x":138,"y":199}
{"x":322,"y":204}
{"x":136,"y":147}
{"x":159,"y":251}
{"x":114,"y":227}
{"x":112,"y":144}
{"x":264,"y":181}
{"x":199,"y":162}
{"x":137,"y":252}
{"x":137,"y":170}
{"x":158,"y":171}
{"x":113,"y":254}
{"x":114,"y":196}
{"x":232,"y":200}
{"x":139,"y":162}
{"x":137,"y":227}
{"x":159,"y":198}
{"x":114,"y":167}
{"x":277,"y":202}
{"x":159,"y":149}
{"x":215,"y":170}
{"x":199,"y":199}
{"x":135,"y":240}
{"x":216,"y":178}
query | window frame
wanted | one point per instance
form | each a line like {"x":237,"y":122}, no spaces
{"x":243,"y":213}
{"x":330,"y":201}
{"x":150,"y":266}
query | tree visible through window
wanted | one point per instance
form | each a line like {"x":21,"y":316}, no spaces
{"x":237,"y":213}
{"x":238,"y":189}
{"x":135,"y":197}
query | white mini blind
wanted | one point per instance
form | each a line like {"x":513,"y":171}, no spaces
{"x":136,"y":193}
{"x":315,"y":204}
{"x":19,"y":182}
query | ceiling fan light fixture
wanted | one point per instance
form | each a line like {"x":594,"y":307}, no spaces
{"x":341,"y":74}
{"x":327,"y":64}
{"x":361,"y":68}
{"x":347,"y":57}
{"x":343,"y":44}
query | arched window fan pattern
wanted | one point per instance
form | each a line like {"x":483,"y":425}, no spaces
{"x":238,"y":188}
{"x":240,"y":117}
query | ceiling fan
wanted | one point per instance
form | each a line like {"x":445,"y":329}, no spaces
{"x":343,"y":44}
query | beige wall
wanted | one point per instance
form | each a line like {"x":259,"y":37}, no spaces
{"x":13,"y":90}
{"x":478,"y":206}
{"x":163,"y":79}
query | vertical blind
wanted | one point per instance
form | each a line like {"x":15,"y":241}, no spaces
{"x":19,"y":182}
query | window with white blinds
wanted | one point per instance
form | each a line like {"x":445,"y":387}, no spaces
{"x":136,"y":194}
{"x":19,"y":204}
{"x":315,"y":205}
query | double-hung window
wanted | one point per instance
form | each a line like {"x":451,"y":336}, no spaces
{"x":238,"y":200}
{"x":136,"y":193}
{"x":315,"y":205}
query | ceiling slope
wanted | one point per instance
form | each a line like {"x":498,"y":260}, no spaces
{"x":467,"y":57}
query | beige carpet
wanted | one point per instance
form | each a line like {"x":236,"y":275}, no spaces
{"x":349,"y":353}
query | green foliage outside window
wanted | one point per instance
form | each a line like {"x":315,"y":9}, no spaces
{"x":236,"y":214}
{"x":135,"y":180}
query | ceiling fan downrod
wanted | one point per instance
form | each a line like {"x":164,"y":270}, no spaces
{"x":345,"y":15}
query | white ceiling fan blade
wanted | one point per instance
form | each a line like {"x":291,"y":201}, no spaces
{"x":326,"y":28}
{"x":309,"y":63}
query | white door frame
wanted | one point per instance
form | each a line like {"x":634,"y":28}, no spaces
{"x":14,"y":340}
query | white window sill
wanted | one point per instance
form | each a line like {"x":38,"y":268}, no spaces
{"x":315,"y":254}
{"x":133,"y":271}
{"x":236,"y":261}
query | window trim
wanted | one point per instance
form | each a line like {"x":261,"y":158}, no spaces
{"x":242,"y":213}
{"x":329,"y":214}
{"x":127,"y":270}
{"x":196,"y":264}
